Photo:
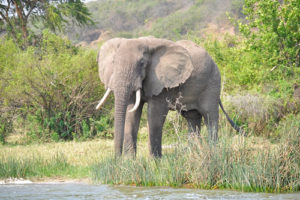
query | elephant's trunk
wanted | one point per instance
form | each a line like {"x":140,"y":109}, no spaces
{"x":121,"y":102}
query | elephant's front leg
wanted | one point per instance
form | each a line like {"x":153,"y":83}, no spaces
{"x":157,"y":112}
{"x":132,"y":123}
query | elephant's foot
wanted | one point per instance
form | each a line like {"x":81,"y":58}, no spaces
{"x":130,"y":150}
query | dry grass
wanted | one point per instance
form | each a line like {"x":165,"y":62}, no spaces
{"x":75,"y":153}
{"x":256,"y":112}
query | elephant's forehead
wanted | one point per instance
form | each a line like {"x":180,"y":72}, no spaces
{"x":132,"y":46}
{"x":129,"y":54}
{"x":126,"y":57}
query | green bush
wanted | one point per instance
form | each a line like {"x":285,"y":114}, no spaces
{"x":5,"y":127}
{"x":54,"y":87}
{"x":247,"y":69}
{"x":272,"y":30}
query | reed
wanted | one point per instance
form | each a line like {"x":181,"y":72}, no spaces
{"x":53,"y":160}
{"x":234,"y":163}
{"x":37,"y":167}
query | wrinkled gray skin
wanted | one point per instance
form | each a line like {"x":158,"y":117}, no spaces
{"x":172,"y":75}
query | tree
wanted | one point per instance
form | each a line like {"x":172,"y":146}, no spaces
{"x":16,"y":15}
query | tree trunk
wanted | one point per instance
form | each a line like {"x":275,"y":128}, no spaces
{"x":23,"y":22}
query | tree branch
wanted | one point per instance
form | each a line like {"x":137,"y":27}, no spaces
{"x":3,"y":16}
{"x":7,"y":20}
{"x":22,"y":20}
{"x":32,"y":6}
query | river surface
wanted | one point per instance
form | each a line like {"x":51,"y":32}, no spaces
{"x":85,"y":191}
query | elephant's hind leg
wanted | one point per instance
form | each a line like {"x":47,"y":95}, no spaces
{"x":209,"y":109}
{"x":132,"y":123}
{"x":211,"y":119}
{"x":157,"y":112}
{"x":194,"y":119}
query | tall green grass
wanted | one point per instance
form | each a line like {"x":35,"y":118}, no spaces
{"x":232,"y":164}
{"x":38,"y":167}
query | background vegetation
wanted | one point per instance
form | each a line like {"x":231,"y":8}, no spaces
{"x":164,"y":18}
{"x":49,"y":88}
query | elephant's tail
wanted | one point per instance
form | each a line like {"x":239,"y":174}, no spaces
{"x":236,"y":127}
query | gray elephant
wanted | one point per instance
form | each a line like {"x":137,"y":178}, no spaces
{"x":168,"y":76}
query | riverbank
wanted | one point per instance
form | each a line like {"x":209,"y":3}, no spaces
{"x":61,"y":160}
{"x":47,"y":180}
{"x":240,"y":163}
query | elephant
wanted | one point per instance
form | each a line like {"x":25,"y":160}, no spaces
{"x":166,"y":75}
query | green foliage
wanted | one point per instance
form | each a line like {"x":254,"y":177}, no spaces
{"x":124,"y":17}
{"x":266,"y":58}
{"x":247,"y":69}
{"x":37,"y":167}
{"x":272,"y":30}
{"x":15,"y":17}
{"x":104,"y":126}
{"x":177,"y":24}
{"x":6,"y":124}
{"x":54,"y":86}
{"x":192,"y":18}
{"x":163,"y":18}
{"x":3,"y":130}
{"x":240,"y":69}
{"x":56,"y":15}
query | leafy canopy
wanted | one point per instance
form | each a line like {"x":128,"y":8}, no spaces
{"x":16,"y":15}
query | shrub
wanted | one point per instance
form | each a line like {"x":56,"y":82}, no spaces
{"x":257,"y":113}
{"x":272,"y":30}
{"x":54,"y":87}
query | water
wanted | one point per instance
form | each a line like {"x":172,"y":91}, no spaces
{"x":85,"y":191}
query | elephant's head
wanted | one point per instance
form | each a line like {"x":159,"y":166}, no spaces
{"x":145,"y":65}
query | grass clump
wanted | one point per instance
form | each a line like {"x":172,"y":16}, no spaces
{"x":36,"y":166}
{"x":142,"y":171}
{"x":235,"y":163}
{"x":51,"y":160}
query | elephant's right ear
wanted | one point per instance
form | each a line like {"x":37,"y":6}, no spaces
{"x":105,"y":61}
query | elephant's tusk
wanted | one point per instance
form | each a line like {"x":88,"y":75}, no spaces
{"x":103,"y":98}
{"x":137,"y":101}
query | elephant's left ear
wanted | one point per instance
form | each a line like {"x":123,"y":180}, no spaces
{"x":170,"y":66}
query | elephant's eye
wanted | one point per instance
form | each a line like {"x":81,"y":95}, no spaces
{"x":142,"y":62}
